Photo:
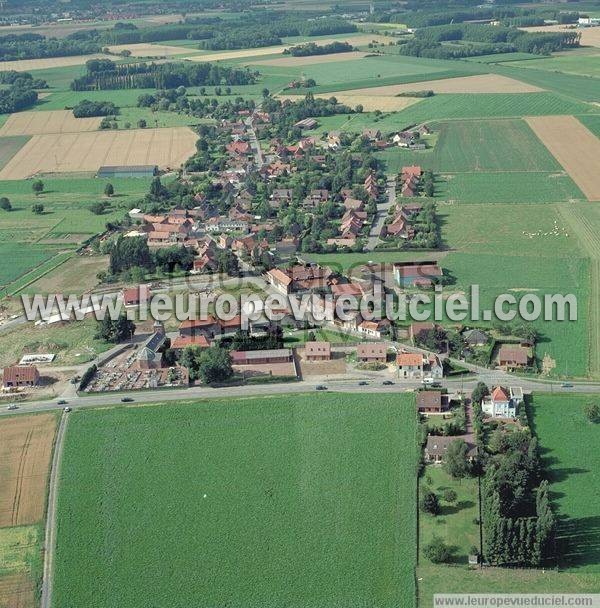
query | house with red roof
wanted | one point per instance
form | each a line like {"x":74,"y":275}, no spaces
{"x":500,"y":404}
{"x":20,"y":376}
{"x":410,"y":365}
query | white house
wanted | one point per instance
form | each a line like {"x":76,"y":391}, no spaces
{"x":502,"y":404}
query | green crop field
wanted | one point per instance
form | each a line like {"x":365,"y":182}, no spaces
{"x":533,"y":187}
{"x":28,"y":240}
{"x":486,"y":145}
{"x":592,"y":122}
{"x":569,"y":445}
{"x":571,"y":63}
{"x":265,"y":502}
{"x":459,"y":106}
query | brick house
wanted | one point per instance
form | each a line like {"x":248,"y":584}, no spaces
{"x":19,"y":376}
{"x":372,"y":353}
{"x":317,"y":351}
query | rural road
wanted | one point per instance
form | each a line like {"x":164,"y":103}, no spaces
{"x":50,"y":538}
{"x":382,"y":211}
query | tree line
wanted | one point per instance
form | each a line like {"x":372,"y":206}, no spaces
{"x":310,"y":48}
{"x":21,"y":93}
{"x":105,"y":74}
{"x":35,"y":46}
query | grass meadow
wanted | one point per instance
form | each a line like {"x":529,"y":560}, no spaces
{"x":9,"y":146}
{"x":287,"y":500}
{"x":569,"y":444}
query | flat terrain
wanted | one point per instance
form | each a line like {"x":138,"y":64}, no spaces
{"x":25,"y":452}
{"x":147,"y":50}
{"x":81,"y":152}
{"x":590,"y":36}
{"x":270,"y":50}
{"x":575,"y":147}
{"x":480,"y":83}
{"x":17,"y":591}
{"x":26,"y":65}
{"x":260,"y":502}
{"x":9,"y":146}
{"x":289,"y":61}
{"x":40,"y":123}
{"x":369,"y":103}
{"x":569,"y":446}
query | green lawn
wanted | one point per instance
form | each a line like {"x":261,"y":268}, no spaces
{"x":454,"y":524}
{"x":292,"y":500}
{"x":570,"y":450}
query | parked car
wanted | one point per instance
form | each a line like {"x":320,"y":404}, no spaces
{"x":567,"y":385}
{"x":67,"y":409}
{"x":13,"y":406}
{"x":387,"y":383}
{"x":61,"y":402}
{"x":126,"y":399}
{"x":363,"y":383}
{"x":320,"y":387}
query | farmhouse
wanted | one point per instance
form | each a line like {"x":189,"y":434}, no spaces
{"x":374,"y":329}
{"x":19,"y":376}
{"x":372,"y":353}
{"x":198,"y":327}
{"x":475,"y":337}
{"x":181,"y":342}
{"x":513,"y":357}
{"x":410,"y":365}
{"x":307,"y":123}
{"x":119,"y":171}
{"x":317,"y":351}
{"x":135,"y":295}
{"x":261,"y":357}
{"x":432,"y":402}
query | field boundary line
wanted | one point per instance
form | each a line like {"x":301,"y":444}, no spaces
{"x":590,"y":243}
{"x":50,"y":534}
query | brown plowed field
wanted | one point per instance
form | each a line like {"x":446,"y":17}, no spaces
{"x":575,"y":147}
{"x":25,"y":454}
{"x":86,"y":152}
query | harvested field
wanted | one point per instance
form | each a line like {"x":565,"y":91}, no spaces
{"x":17,"y":591}
{"x":86,"y":152}
{"x":482,"y":83}
{"x":271,"y":50}
{"x":147,"y":50}
{"x":369,"y":103}
{"x":289,"y":61}
{"x":39,"y":123}
{"x":25,"y":452}
{"x":26,"y":65}
{"x":590,"y":36}
{"x":575,"y":147}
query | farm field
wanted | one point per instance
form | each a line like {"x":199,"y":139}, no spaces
{"x":509,"y":187}
{"x":479,"y":83}
{"x":569,"y":443}
{"x":369,"y":104}
{"x":485,"y":145}
{"x":39,"y":123}
{"x":81,"y":152}
{"x":461,"y":107}
{"x":26,"y":65}
{"x":575,"y":148}
{"x":25,"y":450}
{"x":289,"y":61}
{"x":29,"y":240}
{"x":588,"y":65}
{"x":147,"y":50}
{"x":592,"y":122}
{"x":9,"y":146}
{"x":296,"y":500}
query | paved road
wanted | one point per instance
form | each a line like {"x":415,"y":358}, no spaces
{"x":260,"y":161}
{"x":50,"y":538}
{"x":382,"y":212}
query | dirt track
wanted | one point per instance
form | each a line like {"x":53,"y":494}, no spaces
{"x":39,"y":123}
{"x":25,"y":451}
{"x":484,"y":83}
{"x":575,"y":147}
{"x":86,"y":152}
